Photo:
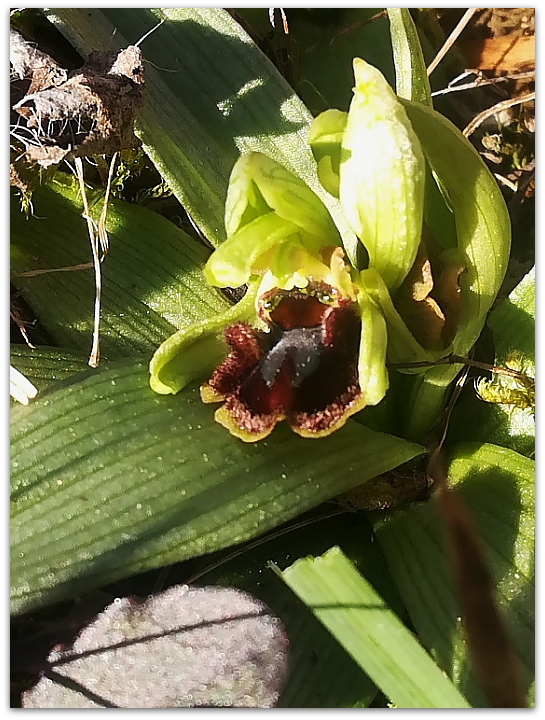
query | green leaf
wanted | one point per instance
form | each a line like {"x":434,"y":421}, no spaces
{"x":152,"y":280}
{"x":322,"y":673}
{"x":110,"y":479}
{"x":358,"y":617}
{"x":411,"y":77}
{"x":510,"y":424}
{"x":482,"y":220}
{"x":483,"y":239}
{"x":321,"y":45}
{"x":513,"y":321}
{"x":44,"y":366}
{"x":497,"y":486}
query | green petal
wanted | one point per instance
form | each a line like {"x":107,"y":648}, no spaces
{"x":192,"y":353}
{"x":266,"y":205}
{"x":236,"y":259}
{"x":382,"y":176}
{"x":325,"y":137}
{"x":259,"y":184}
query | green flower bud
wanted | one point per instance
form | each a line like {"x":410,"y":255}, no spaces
{"x":392,"y":162}
{"x":382,"y":176}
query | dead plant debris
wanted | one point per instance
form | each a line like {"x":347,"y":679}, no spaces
{"x":68,"y":114}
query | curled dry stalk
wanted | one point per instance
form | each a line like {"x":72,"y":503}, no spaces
{"x":98,"y":237}
{"x":499,"y":107}
{"x":467,"y":362}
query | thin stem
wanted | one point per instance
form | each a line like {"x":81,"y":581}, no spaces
{"x":449,"y":42}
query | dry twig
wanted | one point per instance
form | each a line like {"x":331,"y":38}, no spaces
{"x":449,"y":42}
{"x":503,"y":105}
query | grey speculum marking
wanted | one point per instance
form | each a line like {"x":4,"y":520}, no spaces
{"x":302,"y":346}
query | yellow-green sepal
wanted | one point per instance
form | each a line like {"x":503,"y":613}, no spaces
{"x":382,"y":176}
{"x":237,"y":258}
{"x":325,"y":137}
{"x":372,"y":370}
{"x":403,"y":348}
{"x":192,"y":353}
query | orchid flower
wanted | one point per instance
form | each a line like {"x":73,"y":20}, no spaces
{"x":310,"y":339}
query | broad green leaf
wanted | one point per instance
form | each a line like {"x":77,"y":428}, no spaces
{"x":497,"y":486}
{"x":321,"y":673}
{"x":348,"y":605}
{"x":211,"y":95}
{"x":317,"y":54}
{"x":513,"y":321}
{"x":110,"y":479}
{"x":411,"y":77}
{"x":152,"y":278}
